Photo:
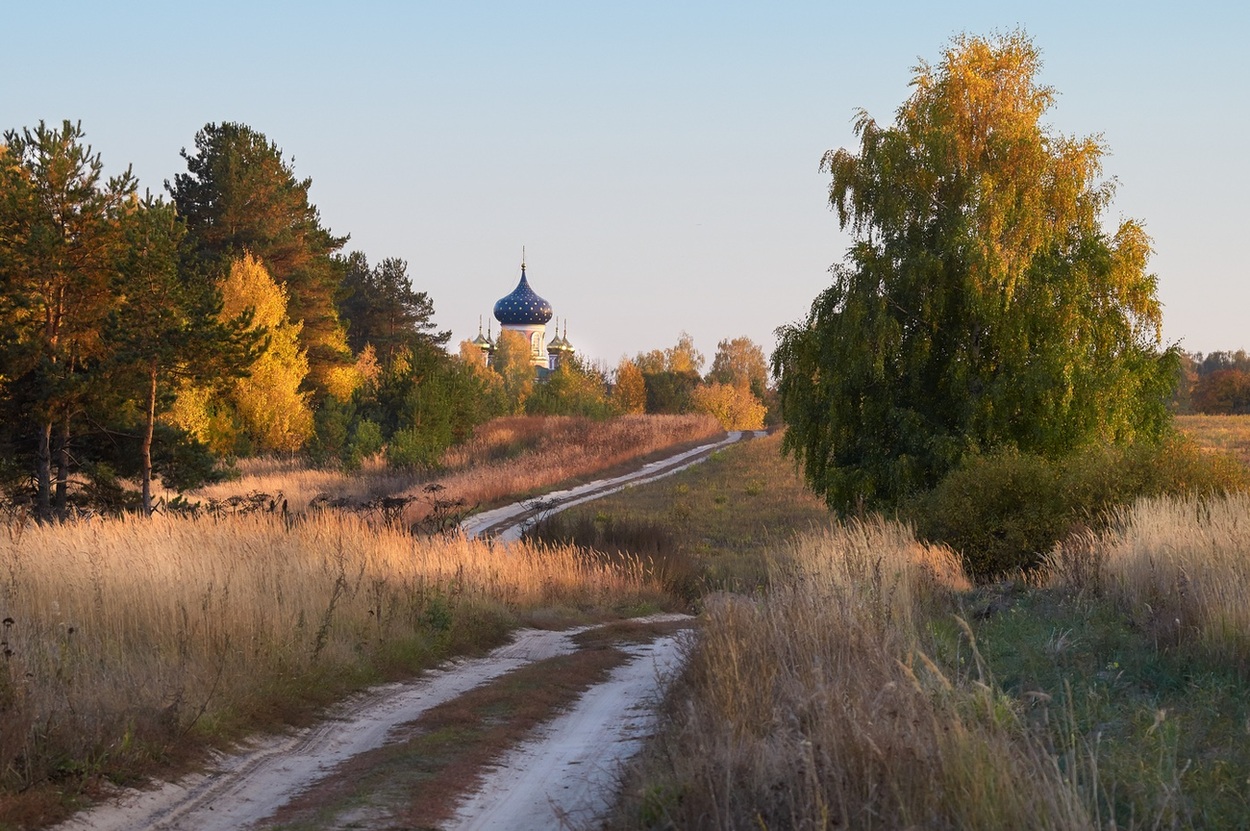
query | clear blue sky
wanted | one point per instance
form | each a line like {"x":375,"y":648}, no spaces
{"x":657,"y":159}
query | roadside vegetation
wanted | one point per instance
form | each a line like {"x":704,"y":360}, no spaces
{"x":508,"y":458}
{"x":709,"y":528}
{"x":131,"y":644}
{"x":865,"y":682}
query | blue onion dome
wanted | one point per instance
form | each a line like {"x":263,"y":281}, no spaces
{"x":523,"y":306}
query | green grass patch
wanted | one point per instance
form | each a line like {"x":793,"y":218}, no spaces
{"x":710,"y":527}
{"x":1166,"y":731}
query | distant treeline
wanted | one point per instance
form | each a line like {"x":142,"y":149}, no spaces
{"x":155,"y":337}
{"x":1217,"y":383}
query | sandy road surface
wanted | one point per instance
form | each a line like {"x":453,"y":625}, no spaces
{"x":565,"y":776}
{"x":508,"y":522}
{"x":244,"y":788}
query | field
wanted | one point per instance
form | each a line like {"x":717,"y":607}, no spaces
{"x":870,"y":686}
{"x":507,"y":459}
{"x":1224,"y":433}
{"x":131,"y":645}
{"x":846,"y":675}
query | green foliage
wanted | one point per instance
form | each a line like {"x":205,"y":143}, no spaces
{"x":366,"y":441}
{"x":982,"y":305}
{"x":61,"y":244}
{"x":414,"y":447}
{"x":670,"y":392}
{"x":1000,"y":512}
{"x":381,"y":308}
{"x":167,"y":328}
{"x":1097,"y":685}
{"x":240,"y":195}
{"x":572,"y":389}
{"x":332,"y":424}
{"x":1005,"y":511}
{"x":181,"y":462}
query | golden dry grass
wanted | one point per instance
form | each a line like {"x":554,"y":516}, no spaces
{"x":525,"y":454}
{"x":126,"y":638}
{"x":814,"y":707}
{"x":1225,"y":433}
{"x":1180,"y":567}
{"x":507,"y":458}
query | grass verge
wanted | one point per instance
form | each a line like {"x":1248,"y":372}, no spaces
{"x":866,"y":688}
{"x":131,"y":645}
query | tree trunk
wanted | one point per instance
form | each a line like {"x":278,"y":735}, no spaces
{"x":62,"y":471}
{"x":147,"y":443}
{"x":43,"y":474}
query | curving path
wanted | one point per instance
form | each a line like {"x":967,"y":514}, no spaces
{"x":563,"y":776}
{"x":509,"y":522}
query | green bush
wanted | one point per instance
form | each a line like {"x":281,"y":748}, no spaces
{"x":999,"y":511}
{"x":331,"y":427}
{"x":366,"y":441}
{"x":417,"y":448}
{"x":1004,"y":511}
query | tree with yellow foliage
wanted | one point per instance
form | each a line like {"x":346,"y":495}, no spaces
{"x":733,"y":405}
{"x":266,"y":407}
{"x":511,"y":362}
{"x":630,"y":393}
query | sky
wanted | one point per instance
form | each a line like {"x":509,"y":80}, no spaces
{"x":658,"y":161}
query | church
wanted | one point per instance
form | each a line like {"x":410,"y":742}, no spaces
{"x":524,"y":312}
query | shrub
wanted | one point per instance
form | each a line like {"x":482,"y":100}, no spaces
{"x":999,"y":511}
{"x":416,"y":448}
{"x":1005,"y":511}
{"x":366,"y":441}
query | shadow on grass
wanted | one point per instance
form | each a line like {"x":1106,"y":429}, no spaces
{"x":607,"y":539}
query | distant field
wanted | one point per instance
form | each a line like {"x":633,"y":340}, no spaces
{"x":1228,"y":433}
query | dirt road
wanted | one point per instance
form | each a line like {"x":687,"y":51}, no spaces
{"x":507,"y":523}
{"x":563,"y":775}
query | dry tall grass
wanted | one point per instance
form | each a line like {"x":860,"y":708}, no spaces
{"x":1180,"y":566}
{"x":522,"y":455}
{"x":815,"y":707}
{"x":507,"y":457}
{"x":126,"y":638}
{"x":299,"y":484}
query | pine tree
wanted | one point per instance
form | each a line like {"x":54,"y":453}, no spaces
{"x":61,"y":245}
{"x":239,"y":195}
{"x":167,"y":326}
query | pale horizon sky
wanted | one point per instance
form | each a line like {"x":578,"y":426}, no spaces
{"x":658,"y":161}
